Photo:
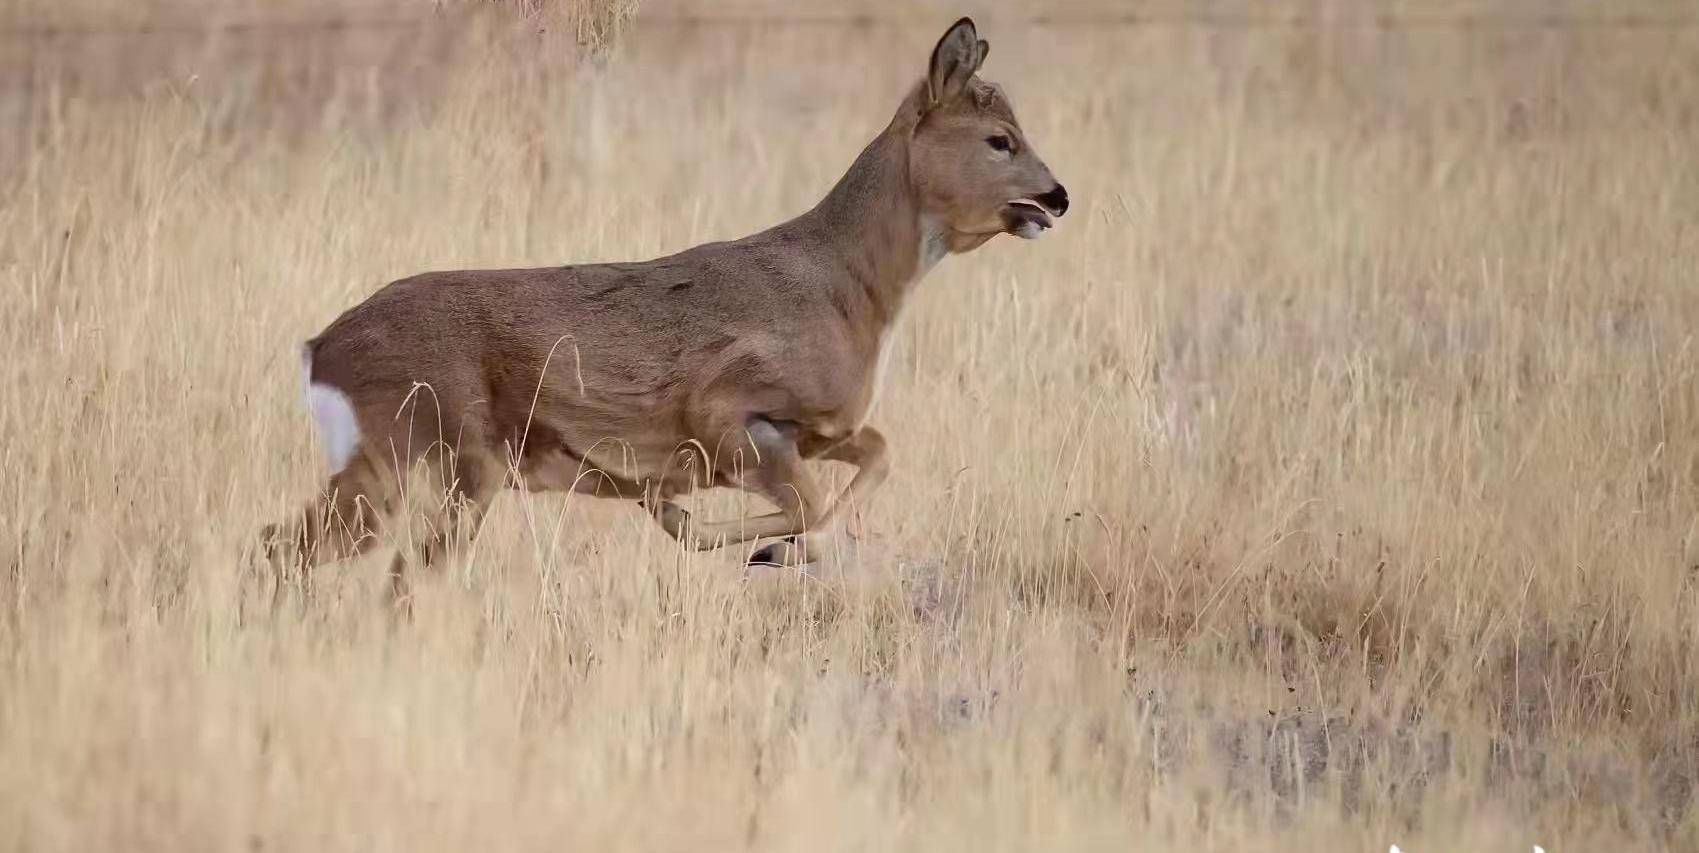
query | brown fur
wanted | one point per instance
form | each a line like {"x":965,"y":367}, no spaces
{"x":725,"y":364}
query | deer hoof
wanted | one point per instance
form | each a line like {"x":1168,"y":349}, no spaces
{"x":780,"y":553}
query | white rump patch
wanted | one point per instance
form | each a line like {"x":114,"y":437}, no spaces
{"x":333,"y":414}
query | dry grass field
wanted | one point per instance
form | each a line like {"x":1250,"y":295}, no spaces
{"x":1329,"y":479}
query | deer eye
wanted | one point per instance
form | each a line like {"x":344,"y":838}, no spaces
{"x":999,"y":142}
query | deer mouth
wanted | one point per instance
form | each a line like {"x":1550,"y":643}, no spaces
{"x":1025,"y":218}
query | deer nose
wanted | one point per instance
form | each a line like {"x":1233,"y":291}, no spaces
{"x":1056,"y":199}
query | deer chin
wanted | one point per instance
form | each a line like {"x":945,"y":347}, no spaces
{"x":1025,"y":219}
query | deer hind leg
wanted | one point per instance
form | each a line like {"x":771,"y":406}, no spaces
{"x":768,"y":463}
{"x":867,"y":450}
{"x":470,"y":480}
{"x":342,"y":522}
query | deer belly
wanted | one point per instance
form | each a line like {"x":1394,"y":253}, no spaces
{"x":671,"y":466}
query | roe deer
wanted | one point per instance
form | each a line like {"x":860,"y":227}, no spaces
{"x":727,"y":364}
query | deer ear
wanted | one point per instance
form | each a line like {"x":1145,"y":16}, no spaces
{"x":954,"y":60}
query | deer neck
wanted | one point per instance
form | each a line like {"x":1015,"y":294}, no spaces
{"x":873,"y":221}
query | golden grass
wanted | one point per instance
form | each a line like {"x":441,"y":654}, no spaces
{"x":1328,"y":479}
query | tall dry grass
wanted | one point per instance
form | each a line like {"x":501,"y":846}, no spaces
{"x":1328,"y":479}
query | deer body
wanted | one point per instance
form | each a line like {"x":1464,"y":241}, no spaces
{"x":727,"y":364}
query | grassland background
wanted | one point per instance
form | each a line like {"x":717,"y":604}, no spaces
{"x":1329,"y":478}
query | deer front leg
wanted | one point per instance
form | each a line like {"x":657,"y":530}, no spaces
{"x":867,"y":450}
{"x":772,"y":467}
